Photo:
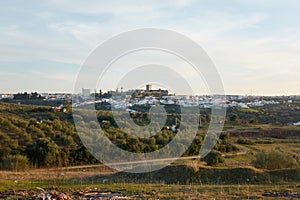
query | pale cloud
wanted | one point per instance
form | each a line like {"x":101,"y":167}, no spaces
{"x":68,"y":77}
{"x":255,"y":44}
{"x":117,"y":7}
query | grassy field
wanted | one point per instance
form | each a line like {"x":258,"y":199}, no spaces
{"x":80,"y":180}
{"x":149,"y":191}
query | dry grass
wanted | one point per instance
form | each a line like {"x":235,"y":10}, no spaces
{"x":55,"y":173}
{"x":74,"y":180}
{"x":293,"y":148}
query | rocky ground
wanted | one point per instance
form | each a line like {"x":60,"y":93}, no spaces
{"x":43,"y":195}
{"x":288,"y":194}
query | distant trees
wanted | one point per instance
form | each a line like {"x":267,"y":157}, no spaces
{"x":194,"y":148}
{"x":21,"y":96}
{"x":35,"y":95}
{"x":234,"y":118}
{"x":49,"y":139}
{"x":35,"y":132}
{"x":45,"y":138}
{"x":27,"y":96}
{"x":14,"y":162}
{"x":279,"y":114}
{"x":5,"y":147}
{"x":253,"y":121}
{"x":101,"y":95}
{"x":44,"y":152}
{"x":225,"y":144}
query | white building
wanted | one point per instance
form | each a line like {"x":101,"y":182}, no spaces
{"x":4,"y":96}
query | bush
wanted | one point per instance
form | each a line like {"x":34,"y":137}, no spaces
{"x":274,"y":159}
{"x":245,"y":141}
{"x":214,"y":158}
{"x":15,"y":163}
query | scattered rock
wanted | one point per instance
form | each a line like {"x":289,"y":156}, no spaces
{"x":288,"y":194}
{"x":44,"y":195}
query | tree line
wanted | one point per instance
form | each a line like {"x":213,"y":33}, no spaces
{"x":36,"y":136}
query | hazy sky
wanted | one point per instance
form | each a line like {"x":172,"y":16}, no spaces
{"x":255,"y":44}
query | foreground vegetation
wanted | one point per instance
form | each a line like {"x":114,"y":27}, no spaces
{"x":35,"y":136}
{"x":163,"y":191}
{"x":153,"y":186}
{"x":40,"y":136}
{"x":258,"y":152}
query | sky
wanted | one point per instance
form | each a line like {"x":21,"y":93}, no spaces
{"x":254,"y":44}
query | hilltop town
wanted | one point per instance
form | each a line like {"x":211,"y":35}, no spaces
{"x":148,"y":96}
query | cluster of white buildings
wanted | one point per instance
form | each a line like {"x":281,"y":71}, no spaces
{"x":255,"y":103}
{"x":45,"y":96}
{"x":296,"y":124}
{"x":56,"y":97}
{"x":182,"y":100}
{"x":160,"y":97}
{"x":6,"y":96}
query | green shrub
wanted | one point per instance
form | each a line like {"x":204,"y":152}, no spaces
{"x":245,"y":141}
{"x":214,"y":158}
{"x":274,"y":159}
